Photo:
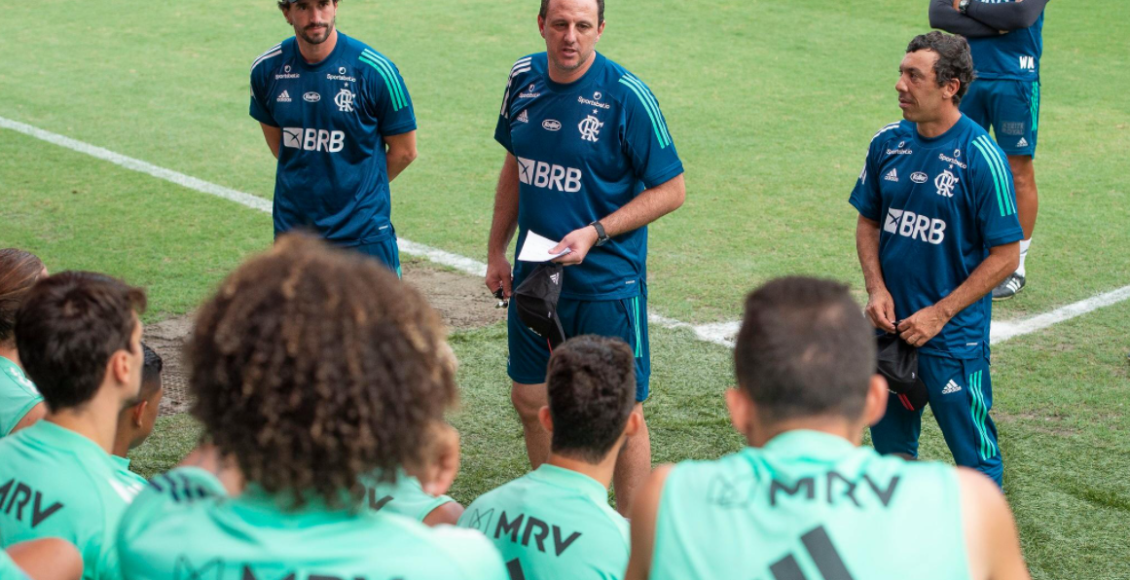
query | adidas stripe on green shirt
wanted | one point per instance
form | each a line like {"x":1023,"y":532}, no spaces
{"x":55,"y":483}
{"x":17,"y":395}
{"x":185,"y":526}
{"x":810,"y":506}
{"x":405,"y":497}
{"x":553,"y":523}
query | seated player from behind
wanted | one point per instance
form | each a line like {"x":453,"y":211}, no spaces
{"x":408,"y":497}
{"x":20,"y":402}
{"x":311,"y":368}
{"x":79,"y":338}
{"x":44,"y":559}
{"x":555,"y":522}
{"x":136,"y":421}
{"x":804,"y":500}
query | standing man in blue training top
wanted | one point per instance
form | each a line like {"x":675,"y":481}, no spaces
{"x":937,"y":231}
{"x":590,"y":162}
{"x":1006,"y":40}
{"x":337,"y":115}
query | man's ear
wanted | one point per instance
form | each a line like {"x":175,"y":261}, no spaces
{"x":541,"y":26}
{"x":443,"y":466}
{"x":876,"y":404}
{"x":138,"y":412}
{"x":119,"y":367}
{"x":635,"y":422}
{"x":741,"y":409}
{"x":545,"y":419}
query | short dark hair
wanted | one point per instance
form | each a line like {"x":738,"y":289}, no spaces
{"x":150,"y":372}
{"x":955,"y":61}
{"x":316,"y":368}
{"x":804,"y":350}
{"x":69,"y":326}
{"x":284,"y":4}
{"x":599,"y":10}
{"x":19,"y":270}
{"x":591,"y":383}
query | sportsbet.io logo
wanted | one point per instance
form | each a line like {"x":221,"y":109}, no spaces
{"x":549,"y":176}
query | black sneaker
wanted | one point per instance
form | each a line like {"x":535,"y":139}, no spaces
{"x":1009,"y":287}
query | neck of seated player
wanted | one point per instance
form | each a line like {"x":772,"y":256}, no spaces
{"x":759,"y":427}
{"x":96,"y":419}
{"x":8,"y":351}
{"x":600,"y":471}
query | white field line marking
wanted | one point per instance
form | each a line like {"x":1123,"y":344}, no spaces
{"x":721,"y":333}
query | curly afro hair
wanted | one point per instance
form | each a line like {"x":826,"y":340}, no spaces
{"x":317,"y":369}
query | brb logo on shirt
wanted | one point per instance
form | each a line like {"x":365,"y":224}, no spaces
{"x":549,"y":176}
{"x":313,"y":139}
{"x":914,"y":226}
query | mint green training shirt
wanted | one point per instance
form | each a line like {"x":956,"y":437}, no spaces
{"x":55,"y":483}
{"x":17,"y":395}
{"x":553,"y":523}
{"x":405,"y":497}
{"x":184,"y":526}
{"x":809,"y":505}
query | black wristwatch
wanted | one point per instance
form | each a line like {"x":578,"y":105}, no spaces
{"x":601,"y":236}
{"x":963,"y":6}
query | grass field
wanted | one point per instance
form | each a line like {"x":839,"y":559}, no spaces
{"x":771,"y":106}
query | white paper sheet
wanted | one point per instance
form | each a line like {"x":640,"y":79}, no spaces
{"x":536,"y":249}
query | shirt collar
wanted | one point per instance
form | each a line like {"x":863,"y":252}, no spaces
{"x":808,"y":443}
{"x":574,"y":480}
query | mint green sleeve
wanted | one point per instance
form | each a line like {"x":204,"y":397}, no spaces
{"x":473,"y":554}
{"x":15,"y":402}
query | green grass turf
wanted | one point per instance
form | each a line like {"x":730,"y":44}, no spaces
{"x":771,"y":105}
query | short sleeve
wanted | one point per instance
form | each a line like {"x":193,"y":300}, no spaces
{"x":646,"y":139}
{"x":994,"y":195}
{"x":258,"y":109}
{"x":17,"y":397}
{"x":387,"y":96}
{"x":406,"y":497}
{"x":865,"y":196}
{"x":502,"y":128}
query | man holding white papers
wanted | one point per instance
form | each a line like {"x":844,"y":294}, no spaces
{"x":590,"y":162}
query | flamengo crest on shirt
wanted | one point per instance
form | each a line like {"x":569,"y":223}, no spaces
{"x":590,"y":128}
{"x":344,"y":100}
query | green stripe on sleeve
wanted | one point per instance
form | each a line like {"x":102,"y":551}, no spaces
{"x":1001,"y":204}
{"x":650,"y":99}
{"x":1002,"y":165}
{"x":390,"y":80}
{"x":650,"y":114}
{"x":391,"y":76}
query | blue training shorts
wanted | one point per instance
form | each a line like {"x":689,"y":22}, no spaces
{"x":626,"y":318}
{"x":385,"y":251}
{"x":961,"y":395}
{"x":1011,"y":108}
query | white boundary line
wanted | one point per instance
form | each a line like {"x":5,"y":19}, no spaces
{"x":721,"y":333}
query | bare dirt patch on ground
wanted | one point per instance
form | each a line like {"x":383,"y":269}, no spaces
{"x":461,"y":300}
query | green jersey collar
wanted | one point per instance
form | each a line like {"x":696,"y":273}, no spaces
{"x":569,"y":479}
{"x":807,"y":443}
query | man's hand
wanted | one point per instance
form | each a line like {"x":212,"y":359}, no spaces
{"x":499,"y":275}
{"x":881,"y":310}
{"x":956,"y":4}
{"x":923,"y":325}
{"x":580,"y":241}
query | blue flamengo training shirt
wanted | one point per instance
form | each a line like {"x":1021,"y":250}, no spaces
{"x":585,"y":150}
{"x":332,"y":173}
{"x":1011,"y":56}
{"x":941,"y":203}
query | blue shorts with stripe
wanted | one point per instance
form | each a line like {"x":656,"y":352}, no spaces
{"x":1011,"y":108}
{"x":385,"y":251}
{"x":626,"y":318}
{"x":960,"y":395}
